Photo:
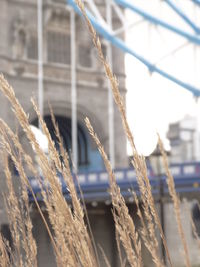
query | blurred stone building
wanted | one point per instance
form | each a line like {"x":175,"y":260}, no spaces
{"x":183,"y":140}
{"x":19,"y":64}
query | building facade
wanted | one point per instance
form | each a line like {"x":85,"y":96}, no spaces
{"x":18,"y":61}
{"x":184,"y":142}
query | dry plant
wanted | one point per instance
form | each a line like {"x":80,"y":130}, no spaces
{"x":139,"y":164}
{"x":124,"y":224}
{"x":20,"y":223}
{"x":71,"y":240}
{"x":4,"y":252}
{"x":176,"y":202}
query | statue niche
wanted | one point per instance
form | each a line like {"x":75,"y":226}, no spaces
{"x":19,"y":38}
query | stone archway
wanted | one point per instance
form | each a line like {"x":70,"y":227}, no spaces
{"x":64,"y":126}
{"x":89,"y":157}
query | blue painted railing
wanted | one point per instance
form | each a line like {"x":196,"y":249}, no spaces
{"x":94,"y":185}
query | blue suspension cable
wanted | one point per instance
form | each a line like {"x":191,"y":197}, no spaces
{"x":154,"y":20}
{"x":196,"y":2}
{"x":120,"y":44}
{"x":183,"y":16}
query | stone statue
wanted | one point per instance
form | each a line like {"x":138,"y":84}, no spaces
{"x":19,"y":36}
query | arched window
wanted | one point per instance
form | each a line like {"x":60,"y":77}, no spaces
{"x":58,"y":47}
{"x":58,"y":44}
{"x":65,"y":128}
{"x":85,"y":57}
{"x":32,"y":47}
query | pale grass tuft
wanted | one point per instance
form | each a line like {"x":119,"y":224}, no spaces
{"x":176,"y":202}
{"x":123,"y":222}
{"x":4,"y":252}
{"x":7,"y":136}
{"x":72,"y":243}
{"x":20,"y":224}
{"x":119,"y":249}
{"x":70,"y":182}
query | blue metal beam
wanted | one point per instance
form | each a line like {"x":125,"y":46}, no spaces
{"x":156,"y":21}
{"x":120,"y":44}
{"x":196,"y":2}
{"x":183,"y":16}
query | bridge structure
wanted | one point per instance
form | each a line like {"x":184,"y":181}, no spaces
{"x":95,"y":185}
{"x":104,"y":28}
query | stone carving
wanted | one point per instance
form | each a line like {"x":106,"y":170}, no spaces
{"x":56,"y":17}
{"x":19,"y":37}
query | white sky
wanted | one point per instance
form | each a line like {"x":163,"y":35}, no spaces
{"x":152,"y":101}
{"x":40,"y":137}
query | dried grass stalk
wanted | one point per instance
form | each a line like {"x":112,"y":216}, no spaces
{"x":107,"y":264}
{"x":147,"y":233}
{"x":72,"y":243}
{"x":5,"y":250}
{"x":139,"y":163}
{"x":123,"y":221}
{"x":119,"y":249}
{"x":176,"y":202}
{"x":70,"y":182}
{"x":9,"y":136}
{"x":20,"y":223}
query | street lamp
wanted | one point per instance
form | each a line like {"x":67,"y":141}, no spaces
{"x":158,"y":170}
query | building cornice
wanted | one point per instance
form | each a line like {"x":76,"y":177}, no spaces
{"x":57,"y":66}
{"x":47,"y":80}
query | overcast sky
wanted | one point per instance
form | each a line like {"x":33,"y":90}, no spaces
{"x":152,"y":101}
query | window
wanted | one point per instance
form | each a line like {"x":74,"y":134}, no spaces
{"x":85,"y":56}
{"x":32,"y":48}
{"x":58,"y":50}
{"x":104,"y":49}
{"x":65,"y":129}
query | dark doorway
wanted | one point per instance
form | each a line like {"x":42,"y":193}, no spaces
{"x":65,"y":128}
